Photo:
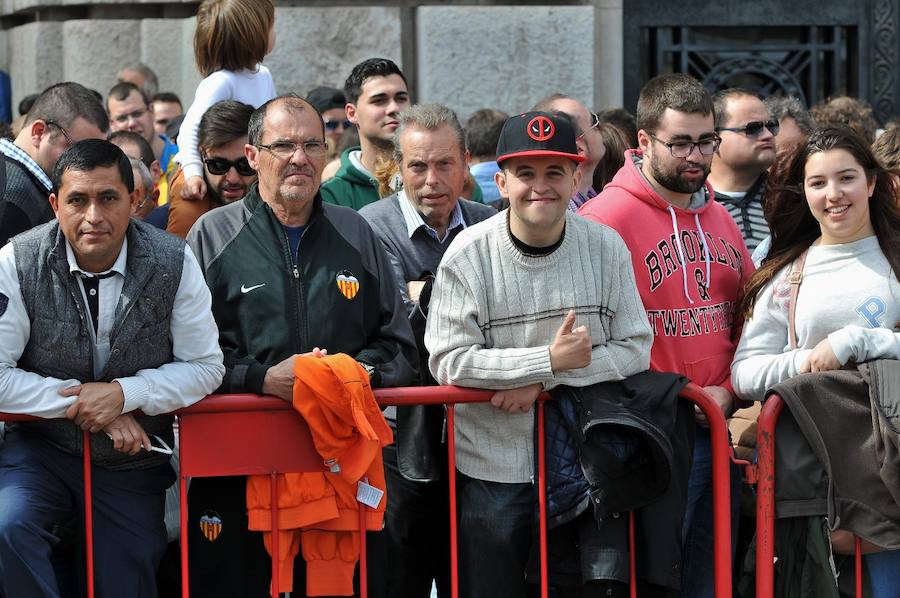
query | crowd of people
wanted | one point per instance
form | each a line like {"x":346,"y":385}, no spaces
{"x":153,"y":255}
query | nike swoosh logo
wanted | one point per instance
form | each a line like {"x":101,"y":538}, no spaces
{"x":245,"y":289}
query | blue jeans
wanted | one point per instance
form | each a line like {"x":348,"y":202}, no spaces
{"x":494,"y":537}
{"x":697,"y":556}
{"x":41,"y":488}
{"x":884,"y":573}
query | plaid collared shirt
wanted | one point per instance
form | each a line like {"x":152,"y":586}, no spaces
{"x":14,"y":152}
{"x":580,"y":198}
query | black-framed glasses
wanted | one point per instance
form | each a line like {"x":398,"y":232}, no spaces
{"x":62,"y":129}
{"x":315,"y":148}
{"x":754,"y":128}
{"x":332,"y":125}
{"x":683,"y":149}
{"x":595,"y":122}
{"x":219,"y":166}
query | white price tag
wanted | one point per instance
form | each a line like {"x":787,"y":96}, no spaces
{"x":368,"y":495}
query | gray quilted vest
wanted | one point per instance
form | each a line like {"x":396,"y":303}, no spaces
{"x":60,"y":344}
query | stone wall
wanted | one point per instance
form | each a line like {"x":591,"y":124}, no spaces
{"x":467,"y":56}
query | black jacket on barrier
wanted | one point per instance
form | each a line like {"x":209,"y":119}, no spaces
{"x":618,"y":446}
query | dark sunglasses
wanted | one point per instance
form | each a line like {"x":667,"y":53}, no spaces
{"x":219,"y":166}
{"x":332,"y":125}
{"x":754,"y":128}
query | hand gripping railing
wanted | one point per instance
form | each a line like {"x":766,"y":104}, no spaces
{"x":765,"y":503}
{"x":253,"y":435}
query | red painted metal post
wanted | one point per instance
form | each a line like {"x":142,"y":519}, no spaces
{"x":542,"y":498}
{"x":632,"y":559}
{"x":451,"y":482}
{"x":88,"y":513}
{"x":858,"y":566}
{"x":183,"y":517}
{"x":721,"y":480}
{"x":765,"y":497}
{"x":276,"y":555}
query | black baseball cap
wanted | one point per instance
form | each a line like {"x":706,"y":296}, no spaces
{"x":537,"y":134}
{"x":326,"y":98}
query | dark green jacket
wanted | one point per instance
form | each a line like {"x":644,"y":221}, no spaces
{"x":268,"y":309}
{"x":350,"y":186}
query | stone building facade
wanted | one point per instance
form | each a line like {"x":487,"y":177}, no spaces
{"x":473,"y":54}
{"x":469,"y":55}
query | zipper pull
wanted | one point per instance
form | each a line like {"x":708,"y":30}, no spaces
{"x":296,"y":272}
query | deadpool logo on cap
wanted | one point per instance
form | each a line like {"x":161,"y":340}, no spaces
{"x":540,"y":128}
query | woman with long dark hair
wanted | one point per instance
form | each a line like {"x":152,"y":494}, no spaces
{"x":835,"y":207}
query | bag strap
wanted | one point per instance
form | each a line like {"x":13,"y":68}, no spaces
{"x":795,"y":278}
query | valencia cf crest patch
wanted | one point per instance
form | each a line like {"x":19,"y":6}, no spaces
{"x":347,"y":284}
{"x":211,"y":525}
{"x":4,"y":303}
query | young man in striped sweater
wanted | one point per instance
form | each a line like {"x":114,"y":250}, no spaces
{"x":532,"y":298}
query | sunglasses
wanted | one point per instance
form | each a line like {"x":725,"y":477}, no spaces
{"x":332,"y":125}
{"x":754,"y":128}
{"x":219,"y":166}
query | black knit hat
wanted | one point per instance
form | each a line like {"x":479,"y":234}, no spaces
{"x":326,"y":98}
{"x":537,"y":134}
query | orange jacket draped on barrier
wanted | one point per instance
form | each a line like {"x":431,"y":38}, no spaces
{"x":318,"y":511}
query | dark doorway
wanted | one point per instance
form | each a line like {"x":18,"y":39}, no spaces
{"x":811,"y":50}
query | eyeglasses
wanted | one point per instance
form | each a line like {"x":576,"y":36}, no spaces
{"x":332,"y":125}
{"x":683,"y":149}
{"x":285,"y":149}
{"x":124,"y":118}
{"x":595,"y":122}
{"x":754,"y":128}
{"x":219,"y":166}
{"x":69,"y":140}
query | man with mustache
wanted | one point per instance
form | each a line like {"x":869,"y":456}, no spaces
{"x":746,"y":152}
{"x":376,"y":92}
{"x":222,"y":136}
{"x":690,"y":263}
{"x":289,"y":275}
{"x":105,"y":325}
{"x":416,"y":226}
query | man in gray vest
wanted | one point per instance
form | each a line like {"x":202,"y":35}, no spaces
{"x":100,"y":317}
{"x":61,"y":115}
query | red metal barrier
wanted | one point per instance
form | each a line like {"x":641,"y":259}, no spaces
{"x":220,"y":436}
{"x":88,"y":506}
{"x":765,"y":502}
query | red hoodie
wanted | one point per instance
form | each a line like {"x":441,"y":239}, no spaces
{"x":692,"y":310}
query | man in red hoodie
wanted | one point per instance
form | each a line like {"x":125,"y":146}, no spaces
{"x":690,"y":263}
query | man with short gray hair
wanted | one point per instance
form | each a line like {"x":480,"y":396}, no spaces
{"x":415,"y":226}
{"x":143,"y":189}
{"x":794,"y":121}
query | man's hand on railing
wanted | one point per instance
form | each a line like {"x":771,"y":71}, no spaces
{"x":97,"y":405}
{"x":127,"y":435}
{"x":723,"y":399}
{"x":516,"y":400}
{"x":279,"y":380}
